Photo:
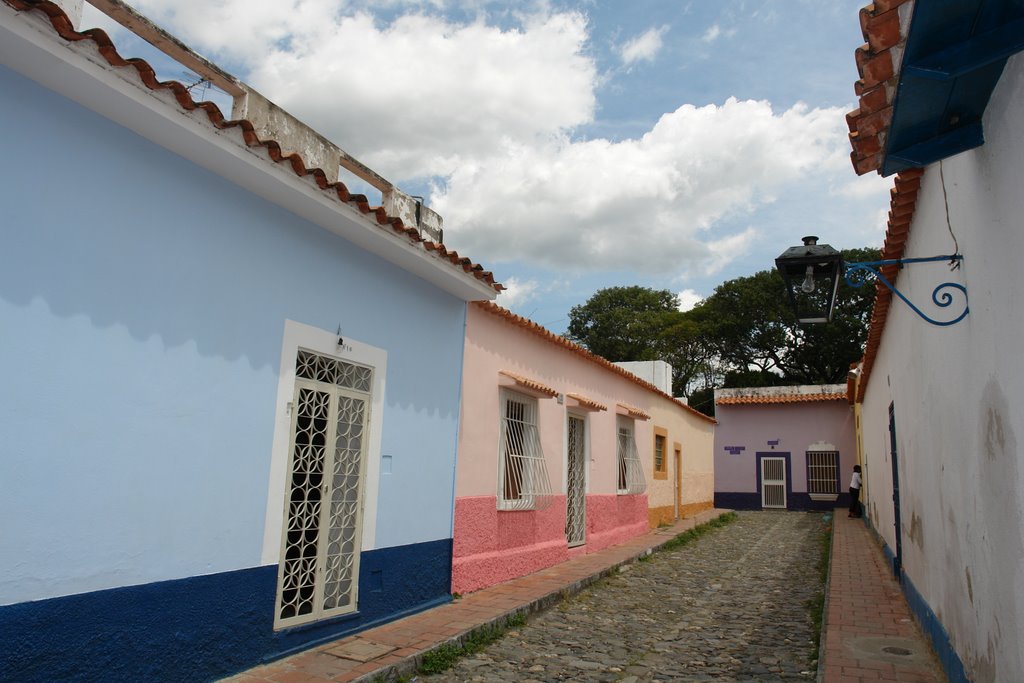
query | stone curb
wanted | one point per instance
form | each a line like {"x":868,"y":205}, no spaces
{"x":410,"y":665}
{"x":820,"y":678}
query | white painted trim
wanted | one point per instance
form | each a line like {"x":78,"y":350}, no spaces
{"x":29,"y":46}
{"x":325,"y":342}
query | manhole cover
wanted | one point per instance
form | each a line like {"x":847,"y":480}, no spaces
{"x":901,"y":651}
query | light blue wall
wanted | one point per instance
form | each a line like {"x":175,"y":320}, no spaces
{"x":142,"y":305}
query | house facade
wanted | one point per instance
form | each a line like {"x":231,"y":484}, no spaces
{"x":681,"y":483}
{"x":217,"y":447}
{"x":784,"y":448}
{"x":556,"y":451}
{"x":939,"y":405}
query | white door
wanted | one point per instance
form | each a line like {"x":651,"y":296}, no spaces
{"x":773,"y":483}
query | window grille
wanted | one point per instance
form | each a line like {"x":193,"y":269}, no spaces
{"x":319,"y":569}
{"x":523,"y":473}
{"x":631,"y":472}
{"x":822,"y":472}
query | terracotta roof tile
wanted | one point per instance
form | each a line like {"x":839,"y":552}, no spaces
{"x":572,"y":347}
{"x":903,"y":199}
{"x":878,"y":65}
{"x":146,"y":74}
{"x":587,"y":402}
{"x":633,"y":411}
{"x":772,"y":399}
{"x":531,"y":384}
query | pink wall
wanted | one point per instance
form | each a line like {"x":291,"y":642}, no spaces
{"x":492,"y":545}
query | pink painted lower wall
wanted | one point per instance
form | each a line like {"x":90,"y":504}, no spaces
{"x":492,"y":546}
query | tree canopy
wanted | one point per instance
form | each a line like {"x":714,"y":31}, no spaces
{"x":744,"y":334}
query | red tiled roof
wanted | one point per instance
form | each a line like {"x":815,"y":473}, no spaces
{"x":572,"y":347}
{"x":105,"y":47}
{"x":587,"y":402}
{"x":903,"y":200}
{"x":633,"y":411}
{"x":531,"y":384}
{"x":878,"y":66}
{"x":777,"y":398}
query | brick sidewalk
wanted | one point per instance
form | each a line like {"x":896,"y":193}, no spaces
{"x":869,"y":633}
{"x":396,"y":648}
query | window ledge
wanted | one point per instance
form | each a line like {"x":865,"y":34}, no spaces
{"x":824,"y":496}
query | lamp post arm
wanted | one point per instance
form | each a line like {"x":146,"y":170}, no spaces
{"x":857,"y":274}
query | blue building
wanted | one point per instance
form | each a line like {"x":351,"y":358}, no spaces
{"x":230,"y":390}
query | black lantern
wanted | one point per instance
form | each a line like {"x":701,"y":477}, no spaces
{"x":811,"y":273}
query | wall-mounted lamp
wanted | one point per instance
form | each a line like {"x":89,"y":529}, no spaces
{"x":341,"y":340}
{"x":811,"y":275}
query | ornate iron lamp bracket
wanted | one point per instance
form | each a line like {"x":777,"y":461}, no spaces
{"x":857,"y":274}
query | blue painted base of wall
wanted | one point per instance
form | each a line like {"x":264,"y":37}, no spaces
{"x":743,"y":500}
{"x":928,"y":620}
{"x":203,"y":627}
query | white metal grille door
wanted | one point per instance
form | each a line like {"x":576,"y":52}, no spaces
{"x":524,"y":484}
{"x":576,"y":493}
{"x":773,"y":483}
{"x":318,"y":573}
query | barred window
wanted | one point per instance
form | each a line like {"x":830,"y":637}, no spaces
{"x":659,"y":453}
{"x":631,"y":472}
{"x":524,"y":483}
{"x":822,"y":472}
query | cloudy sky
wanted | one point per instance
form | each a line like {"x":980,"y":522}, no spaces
{"x":575,"y":144}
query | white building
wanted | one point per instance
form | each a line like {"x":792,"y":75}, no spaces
{"x":940,"y":407}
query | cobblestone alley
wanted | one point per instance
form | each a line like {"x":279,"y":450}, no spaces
{"x":729,"y":606}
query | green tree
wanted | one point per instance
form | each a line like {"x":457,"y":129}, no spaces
{"x":744,"y":334}
{"x":755,"y":332}
{"x":623,"y":323}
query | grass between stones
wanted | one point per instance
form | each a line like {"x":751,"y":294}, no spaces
{"x":691,"y":535}
{"x":816,"y":604}
{"x":444,"y":657}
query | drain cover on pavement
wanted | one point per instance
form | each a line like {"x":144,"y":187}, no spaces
{"x":893,"y":649}
{"x":360,"y":650}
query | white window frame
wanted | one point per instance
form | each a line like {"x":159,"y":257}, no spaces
{"x":629,"y":468}
{"x":519,"y":444}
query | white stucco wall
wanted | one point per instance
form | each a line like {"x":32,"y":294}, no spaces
{"x":957,"y":394}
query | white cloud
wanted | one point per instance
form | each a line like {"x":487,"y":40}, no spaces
{"x":417,"y":97}
{"x":712,"y":33}
{"x":645,"y":46}
{"x":688,"y":298}
{"x":488,"y":116}
{"x":646,"y":203}
{"x":517,"y":292}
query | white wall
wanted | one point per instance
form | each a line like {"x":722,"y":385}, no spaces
{"x":958,"y":394}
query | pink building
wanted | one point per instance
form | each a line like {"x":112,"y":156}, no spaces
{"x":789,"y":448}
{"x":557,"y":449}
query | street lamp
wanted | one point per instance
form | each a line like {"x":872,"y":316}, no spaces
{"x":811,"y":275}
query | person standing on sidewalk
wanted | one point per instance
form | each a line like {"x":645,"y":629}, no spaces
{"x":855,"y":484}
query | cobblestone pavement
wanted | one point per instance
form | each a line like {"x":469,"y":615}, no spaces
{"x":728,"y":607}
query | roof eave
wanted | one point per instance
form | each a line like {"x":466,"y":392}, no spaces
{"x":78,"y":71}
